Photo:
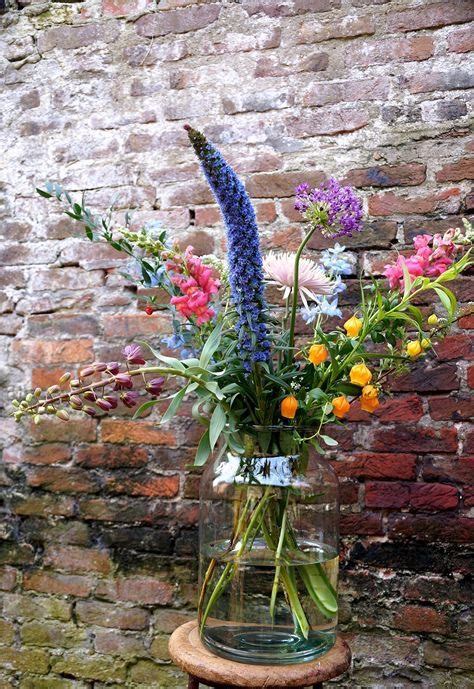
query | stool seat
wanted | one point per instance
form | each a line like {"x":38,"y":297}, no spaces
{"x":189,"y":654}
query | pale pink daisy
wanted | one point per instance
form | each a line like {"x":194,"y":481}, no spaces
{"x":312,"y":281}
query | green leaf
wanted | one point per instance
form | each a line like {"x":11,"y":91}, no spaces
{"x":144,"y":407}
{"x":447,"y":299}
{"x":44,"y":194}
{"x":174,"y":405}
{"x":211,"y":345}
{"x":203,"y":451}
{"x":329,"y":441}
{"x":348,"y":389}
{"x":316,"y":393}
{"x":407,"y":281}
{"x":217,"y":425}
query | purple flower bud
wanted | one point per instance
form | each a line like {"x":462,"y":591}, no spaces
{"x":133,"y":354}
{"x":90,"y":411}
{"x":76,"y":400}
{"x":103,"y":404}
{"x":100,"y":366}
{"x":90,"y":396}
{"x":87,"y":371}
{"x":113,"y":401}
{"x":129,"y":398}
{"x":123,"y":381}
{"x":155,"y":386}
{"x":113,"y":367}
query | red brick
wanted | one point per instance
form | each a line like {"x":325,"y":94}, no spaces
{"x":327,"y":122}
{"x":144,"y":590}
{"x":455,"y":172}
{"x":468,"y":497}
{"x":377,"y":465}
{"x":363,"y":524}
{"x":466,"y":321}
{"x":414,"y":439}
{"x":41,"y":454}
{"x":454,"y":347}
{"x":115,"y":643}
{"x":283,"y":9}
{"x":177,"y":21}
{"x":351,"y":26}
{"x":273,"y":67}
{"x":457,"y":469}
{"x":44,"y":377}
{"x":391,"y":204}
{"x":78,"y":560}
{"x":133,"y":325}
{"x":425,"y":82}
{"x":115,"y":431}
{"x":419,"y":496}
{"x":348,"y":492}
{"x":116,"y":510}
{"x":470,"y":376}
{"x":461,"y":40}
{"x":436,"y":588}
{"x":46,"y":352}
{"x":404,"y":409}
{"x":52,"y":430}
{"x":108,"y":615}
{"x":266,"y":212}
{"x":280,"y":184}
{"x":422,"y":378}
{"x":419,"y":618}
{"x":63,"y":480}
{"x":403,"y":175}
{"x":149,"y":485}
{"x":67,"y":278}
{"x":111,"y":457}
{"x":208,"y":216}
{"x":329,"y":93}
{"x":43,"y":505}
{"x":452,"y":408}
{"x":430,"y":16}
{"x":58,"y":584}
{"x":389,"y":50}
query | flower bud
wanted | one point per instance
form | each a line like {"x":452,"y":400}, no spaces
{"x":62,"y":414}
{"x":64,"y":378}
{"x":75,"y":383}
{"x":37,"y":392}
{"x":15,"y":403}
{"x":51,"y":409}
{"x":433,"y":319}
{"x":113,"y":401}
{"x":29,"y":397}
{"x":100,"y":366}
{"x":53,"y":390}
{"x":113,"y":367}
{"x":414,"y":348}
{"x":41,"y":410}
{"x":24,"y":405}
{"x":426,"y":343}
{"x":87,"y":371}
{"x":317,"y":354}
{"x":18,"y":415}
{"x":76,"y":400}
{"x":90,"y":411}
{"x":103,"y":404}
{"x":90,"y":396}
{"x":36,"y":419}
{"x":123,"y":381}
{"x":360,"y":375}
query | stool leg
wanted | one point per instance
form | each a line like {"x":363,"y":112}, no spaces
{"x":193,"y":682}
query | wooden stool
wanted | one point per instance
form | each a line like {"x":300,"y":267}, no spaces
{"x":189,"y":654}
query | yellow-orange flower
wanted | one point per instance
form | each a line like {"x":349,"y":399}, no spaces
{"x":340,"y":406}
{"x":353,"y":326}
{"x":414,"y":348}
{"x":317,"y":354}
{"x":426,"y":343}
{"x":369,"y":400}
{"x":433,"y":319}
{"x":288,"y":407}
{"x":360,"y":375}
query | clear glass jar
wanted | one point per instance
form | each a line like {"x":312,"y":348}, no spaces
{"x":269,"y":531}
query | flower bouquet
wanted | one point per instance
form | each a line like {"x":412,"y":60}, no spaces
{"x":265,"y":397}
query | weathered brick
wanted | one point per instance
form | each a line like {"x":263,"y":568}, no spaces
{"x":461,"y":40}
{"x":7,"y":633}
{"x":72,"y":37}
{"x":457,"y":469}
{"x":147,"y":485}
{"x":350,"y":26}
{"x":410,"y":174}
{"x":110,"y":457}
{"x":455,"y":172}
{"x":377,"y":465}
{"x":63,"y":480}
{"x":90,"y":667}
{"x":425,"y":82}
{"x":326,"y":122}
{"x":53,"y":635}
{"x":259,"y":102}
{"x":177,"y":21}
{"x":414,"y":439}
{"x":115,"y":431}
{"x":390,"y":50}
{"x":419,"y":496}
{"x":8,"y":578}
{"x":24,"y":659}
{"x":60,"y":584}
{"x":444,"y":528}
{"x":280,"y":184}
{"x":115,"y":643}
{"x":430,"y":16}
{"x":109,"y":615}
{"x":124,"y":8}
{"x":363,"y":524}
{"x":450,"y":654}
{"x":43,"y":505}
{"x":442,"y":378}
{"x":452,"y":408}
{"x":144,"y":590}
{"x":420,"y":618}
{"x":31,"y":607}
{"x":389,"y":203}
{"x":52,"y":351}
{"x":80,"y":560}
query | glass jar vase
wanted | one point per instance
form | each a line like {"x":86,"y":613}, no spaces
{"x":269,"y":530}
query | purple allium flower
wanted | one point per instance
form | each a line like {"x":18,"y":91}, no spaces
{"x":129,"y":398}
{"x":331,"y":208}
{"x":123,"y":382}
{"x":155,"y":386}
{"x":133,"y":354}
{"x":245,"y":260}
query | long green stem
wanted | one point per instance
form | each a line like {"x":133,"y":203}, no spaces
{"x":278,"y":552}
{"x":294,"y":306}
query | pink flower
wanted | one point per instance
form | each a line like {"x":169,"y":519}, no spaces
{"x":434,"y":255}
{"x":312,"y":281}
{"x":197,"y":285}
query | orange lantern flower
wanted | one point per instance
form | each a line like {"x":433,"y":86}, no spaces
{"x":288,"y":407}
{"x":340,"y":406}
{"x":317,"y":354}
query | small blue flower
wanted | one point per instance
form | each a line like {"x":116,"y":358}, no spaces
{"x":323,"y":307}
{"x":334,"y":261}
{"x":174,"y":341}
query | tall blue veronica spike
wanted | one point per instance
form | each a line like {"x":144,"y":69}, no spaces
{"x":245,"y":260}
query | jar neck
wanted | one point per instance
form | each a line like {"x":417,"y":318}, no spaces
{"x":274,"y":441}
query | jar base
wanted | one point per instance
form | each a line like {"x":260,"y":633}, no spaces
{"x":260,"y":645}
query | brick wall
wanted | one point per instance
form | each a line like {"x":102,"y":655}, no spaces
{"x":97,"y":558}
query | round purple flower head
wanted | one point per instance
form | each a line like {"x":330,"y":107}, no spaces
{"x":334,"y":210}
